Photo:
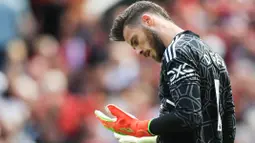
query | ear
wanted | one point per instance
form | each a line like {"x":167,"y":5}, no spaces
{"x":147,"y":20}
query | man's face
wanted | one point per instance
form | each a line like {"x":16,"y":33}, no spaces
{"x":144,"y":41}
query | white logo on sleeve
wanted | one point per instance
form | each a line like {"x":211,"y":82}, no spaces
{"x":179,"y":73}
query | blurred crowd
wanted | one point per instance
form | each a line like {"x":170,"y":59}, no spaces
{"x":57,"y":65}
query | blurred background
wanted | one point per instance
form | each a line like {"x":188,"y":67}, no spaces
{"x":57,"y":65}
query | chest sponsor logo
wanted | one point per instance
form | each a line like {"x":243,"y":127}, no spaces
{"x":179,"y":73}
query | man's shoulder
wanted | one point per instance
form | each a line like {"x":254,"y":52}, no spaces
{"x":171,"y":52}
{"x":180,"y":48}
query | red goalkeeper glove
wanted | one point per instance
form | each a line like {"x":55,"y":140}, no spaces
{"x":124,"y":123}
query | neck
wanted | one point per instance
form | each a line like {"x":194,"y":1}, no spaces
{"x":167,"y":31}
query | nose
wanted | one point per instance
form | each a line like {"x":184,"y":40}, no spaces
{"x":139,"y":52}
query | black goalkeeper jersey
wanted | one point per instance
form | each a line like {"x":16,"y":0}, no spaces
{"x":195,"y":89}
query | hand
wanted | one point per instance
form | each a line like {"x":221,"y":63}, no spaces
{"x":131,"y":139}
{"x":124,"y":123}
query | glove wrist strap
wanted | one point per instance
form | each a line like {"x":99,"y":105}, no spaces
{"x":143,"y":128}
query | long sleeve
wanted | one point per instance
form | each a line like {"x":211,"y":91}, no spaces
{"x":229,"y":129}
{"x":229,"y":119}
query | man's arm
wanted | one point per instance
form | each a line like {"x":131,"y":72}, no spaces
{"x":229,"y":129}
{"x":229,"y":119}
{"x":184,"y":87}
{"x":186,"y":116}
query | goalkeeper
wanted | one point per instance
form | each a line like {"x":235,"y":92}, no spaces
{"x":194,"y":91}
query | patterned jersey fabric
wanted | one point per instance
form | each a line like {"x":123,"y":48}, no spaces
{"x":195,"y":86}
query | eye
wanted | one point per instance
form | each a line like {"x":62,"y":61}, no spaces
{"x":135,"y":43}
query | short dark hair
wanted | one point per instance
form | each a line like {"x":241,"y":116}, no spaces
{"x":130,"y":16}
